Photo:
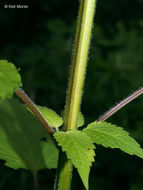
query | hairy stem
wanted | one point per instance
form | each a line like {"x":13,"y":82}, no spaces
{"x":76,"y":82}
{"x":124,"y":102}
{"x":21,"y":94}
{"x":79,"y":62}
{"x":66,"y":166}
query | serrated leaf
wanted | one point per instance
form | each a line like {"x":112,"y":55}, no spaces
{"x":80,"y":121}
{"x":52,"y":118}
{"x":109,"y":135}
{"x":20,"y":139}
{"x":79,"y":148}
{"x":10,"y":79}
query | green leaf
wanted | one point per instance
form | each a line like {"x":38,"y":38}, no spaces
{"x":80,"y":121}
{"x":52,"y":118}
{"x":79,"y":149}
{"x":10,"y":79}
{"x":109,"y":135}
{"x":20,"y":139}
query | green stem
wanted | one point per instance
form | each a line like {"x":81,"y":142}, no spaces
{"x":79,"y":62}
{"x":63,"y":179}
{"x":75,"y":87}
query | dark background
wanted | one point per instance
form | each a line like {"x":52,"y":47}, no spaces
{"x":39,"y":40}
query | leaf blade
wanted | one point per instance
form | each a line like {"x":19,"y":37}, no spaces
{"x":109,"y":135}
{"x":79,"y":149}
{"x":20,"y":139}
{"x":10,"y":79}
{"x":52,"y":118}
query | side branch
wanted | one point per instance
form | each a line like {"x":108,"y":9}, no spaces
{"x":21,"y":94}
{"x":124,"y":102}
{"x":35,"y":180}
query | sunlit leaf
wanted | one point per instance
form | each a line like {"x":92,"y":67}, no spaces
{"x":52,"y":118}
{"x":109,"y":135}
{"x":10,"y":79}
{"x":79,"y":148}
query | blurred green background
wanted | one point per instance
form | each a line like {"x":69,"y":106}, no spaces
{"x":40,"y":39}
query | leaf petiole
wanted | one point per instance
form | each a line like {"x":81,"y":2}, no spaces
{"x":23,"y":96}
{"x":35,"y":180}
{"x":124,"y":102}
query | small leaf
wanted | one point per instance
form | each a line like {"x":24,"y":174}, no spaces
{"x":20,"y":139}
{"x":80,"y":121}
{"x":10,"y":79}
{"x":79,"y":149}
{"x":109,"y":135}
{"x":52,"y":118}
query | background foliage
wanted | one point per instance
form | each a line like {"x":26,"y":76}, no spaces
{"x":39,"y":40}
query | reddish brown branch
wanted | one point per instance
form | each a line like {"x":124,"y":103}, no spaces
{"x":21,"y":94}
{"x":35,"y":180}
{"x":124,"y":102}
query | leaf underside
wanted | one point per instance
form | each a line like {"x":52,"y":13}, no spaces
{"x":109,"y":135}
{"x":20,"y":139}
{"x":10,"y":79}
{"x":79,"y":149}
